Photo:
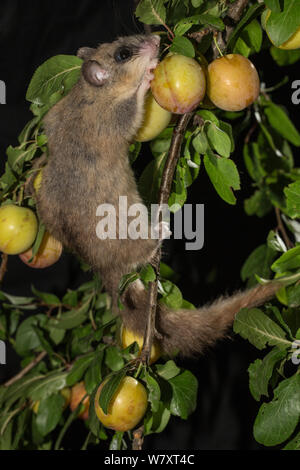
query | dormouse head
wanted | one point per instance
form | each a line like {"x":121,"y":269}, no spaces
{"x":122,"y":67}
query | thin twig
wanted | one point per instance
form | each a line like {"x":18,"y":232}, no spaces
{"x":138,"y":438}
{"x":250,"y":132}
{"x":26,"y":369}
{"x":164,"y":194}
{"x":280,"y":225}
{"x":3,"y":267}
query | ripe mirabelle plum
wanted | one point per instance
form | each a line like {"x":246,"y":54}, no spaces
{"x":156,"y":119}
{"x":49,"y":252}
{"x":128,"y":337}
{"x":78,"y":391}
{"x":179,"y":83}
{"x":18,"y":229}
{"x":127,"y":406}
{"x":292,"y":43}
{"x":232,"y":82}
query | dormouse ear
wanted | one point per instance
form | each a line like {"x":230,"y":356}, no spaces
{"x":85,"y":52}
{"x":94,"y":74}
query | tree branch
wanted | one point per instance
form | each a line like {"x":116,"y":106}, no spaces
{"x":3,"y":267}
{"x":26,"y":369}
{"x":164,"y":194}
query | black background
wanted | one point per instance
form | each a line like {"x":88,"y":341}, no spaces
{"x":33,"y":31}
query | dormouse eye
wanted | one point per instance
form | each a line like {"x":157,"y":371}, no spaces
{"x":122,"y":54}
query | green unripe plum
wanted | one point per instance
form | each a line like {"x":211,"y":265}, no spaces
{"x":156,"y":119}
{"x":232,"y":82}
{"x":179,"y":84}
{"x":18,"y":229}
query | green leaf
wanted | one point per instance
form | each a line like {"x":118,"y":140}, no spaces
{"x":241,"y":47}
{"x":21,"y":424}
{"x":147,"y":274}
{"x":253,"y":35}
{"x":178,"y":190}
{"x":172,"y":296}
{"x":70,"y":298}
{"x":184,"y":398}
{"x":208,"y":116}
{"x":126,"y":281}
{"x":27,"y":131}
{"x":58,"y":74}
{"x":288,"y":261}
{"x":258,"y":262}
{"x":38,"y":240}
{"x":197,"y":3}
{"x":223,"y":175}
{"x":153,"y":391}
{"x":49,"y":413}
{"x":292,"y":194}
{"x":117,"y":441}
{"x":49,"y":299}
{"x":227,"y":128}
{"x":182,"y":45}
{"x":207,"y":19}
{"x":258,"y":204}
{"x":93,"y":422}
{"x":47,"y":385}
{"x":277,"y":420}
{"x":78,"y":369}
{"x":200,"y":143}
{"x":294,"y":444}
{"x":26,"y":337}
{"x":273,"y":5}
{"x":279,"y":120}
{"x":283,"y":57}
{"x":156,"y":422}
{"x":260,"y":372}
{"x":281,"y":26}
{"x":253,"y":325}
{"x":93,"y":375}
{"x":109,"y":389}
{"x":17,"y":156}
{"x":149,"y":182}
{"x":219,"y":140}
{"x":252,"y":12}
{"x":17,"y":300}
{"x":275,"y":242}
{"x":168,"y":370}
{"x":73,"y":318}
{"x":113,"y":358}
{"x":151,"y":12}
{"x":8,"y":179}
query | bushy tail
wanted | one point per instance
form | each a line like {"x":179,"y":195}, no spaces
{"x":191,"y":331}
